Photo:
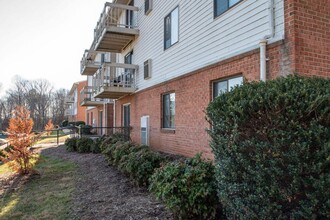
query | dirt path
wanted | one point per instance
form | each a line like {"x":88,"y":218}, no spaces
{"x":102,"y":192}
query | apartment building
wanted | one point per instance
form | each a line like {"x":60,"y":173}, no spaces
{"x":74,"y":111}
{"x":169,"y":59}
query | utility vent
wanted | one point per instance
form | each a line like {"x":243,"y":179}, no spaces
{"x":145,"y":130}
{"x":147,"y":69}
{"x":147,"y":6}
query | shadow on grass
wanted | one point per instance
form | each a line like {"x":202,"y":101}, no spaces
{"x":44,"y":196}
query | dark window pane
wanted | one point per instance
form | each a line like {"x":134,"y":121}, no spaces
{"x":169,"y":110}
{"x":146,"y":6}
{"x":167,"y":31}
{"x":126,"y":118}
{"x":219,"y":88}
{"x":220,"y":6}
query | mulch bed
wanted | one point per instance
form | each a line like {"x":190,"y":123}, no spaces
{"x":102,"y":192}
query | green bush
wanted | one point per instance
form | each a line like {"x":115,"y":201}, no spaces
{"x":187,"y":188}
{"x":71,"y":144}
{"x":140,"y":164}
{"x":84,"y":145}
{"x":112,"y":140}
{"x":95,"y":148}
{"x":110,"y":150}
{"x":120,"y":150}
{"x":86,"y":129}
{"x":271,"y":143}
{"x":75,"y":123}
{"x":64,"y":123}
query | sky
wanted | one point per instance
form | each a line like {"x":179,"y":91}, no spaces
{"x":45,"y":39}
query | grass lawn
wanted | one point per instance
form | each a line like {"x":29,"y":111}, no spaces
{"x":47,"y":197}
{"x":52,"y":139}
{"x":4,"y":168}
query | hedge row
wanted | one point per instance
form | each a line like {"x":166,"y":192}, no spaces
{"x":271,"y":142}
{"x":84,"y":144}
{"x":186,"y":186}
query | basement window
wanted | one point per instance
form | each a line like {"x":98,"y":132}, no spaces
{"x":222,"y":86}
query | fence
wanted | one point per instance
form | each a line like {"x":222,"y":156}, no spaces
{"x":88,"y":131}
{"x":77,"y":131}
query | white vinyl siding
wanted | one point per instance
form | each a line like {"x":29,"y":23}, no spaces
{"x":203,"y":39}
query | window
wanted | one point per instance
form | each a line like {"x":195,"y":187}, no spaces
{"x":220,"y":6}
{"x":169,"y":110}
{"x":128,"y":58}
{"x":126,"y":115}
{"x":147,"y":69}
{"x":91,"y":119}
{"x":130,"y":16}
{"x":128,"y":75}
{"x":147,"y":6}
{"x":222,"y":86}
{"x":102,"y":58}
{"x":171,"y":28}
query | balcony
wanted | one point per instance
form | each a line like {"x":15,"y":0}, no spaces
{"x":87,"y":99}
{"x":69,"y":99}
{"x":88,"y":66}
{"x":115,"y":80}
{"x":116,"y":28}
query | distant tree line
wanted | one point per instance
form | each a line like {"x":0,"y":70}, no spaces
{"x":39,"y":97}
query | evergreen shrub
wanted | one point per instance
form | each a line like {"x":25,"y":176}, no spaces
{"x":187,"y":188}
{"x":95,"y":148}
{"x":71,"y":144}
{"x":271,"y":142}
{"x":112,"y":140}
{"x":140,"y":164}
{"x":84,"y":144}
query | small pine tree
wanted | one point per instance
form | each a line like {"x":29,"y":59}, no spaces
{"x":20,"y":138}
{"x":49,"y":126}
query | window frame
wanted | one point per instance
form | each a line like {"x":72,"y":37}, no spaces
{"x":164,"y":123}
{"x":126,"y":122}
{"x":227,"y":79}
{"x":169,"y":15}
{"x":215,"y":2}
{"x":149,"y":9}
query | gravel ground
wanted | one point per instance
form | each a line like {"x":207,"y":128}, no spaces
{"x":102,"y":192}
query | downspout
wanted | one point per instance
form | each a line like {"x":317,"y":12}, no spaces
{"x":114,"y":113}
{"x":263,"y":42}
{"x":105,"y":123}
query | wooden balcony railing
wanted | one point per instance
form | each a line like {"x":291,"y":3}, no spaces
{"x":116,"y":28}
{"x":87,"y":97}
{"x":88,"y":65}
{"x":115,"y":80}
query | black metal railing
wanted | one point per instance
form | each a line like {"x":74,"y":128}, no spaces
{"x":89,"y":131}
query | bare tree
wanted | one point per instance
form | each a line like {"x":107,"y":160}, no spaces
{"x":38,"y":97}
{"x":58,"y":106}
{"x":17,"y":93}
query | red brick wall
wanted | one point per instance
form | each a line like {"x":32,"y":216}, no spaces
{"x":107,"y":115}
{"x":81,"y":110}
{"x":193,"y":93}
{"x":307,"y":34}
